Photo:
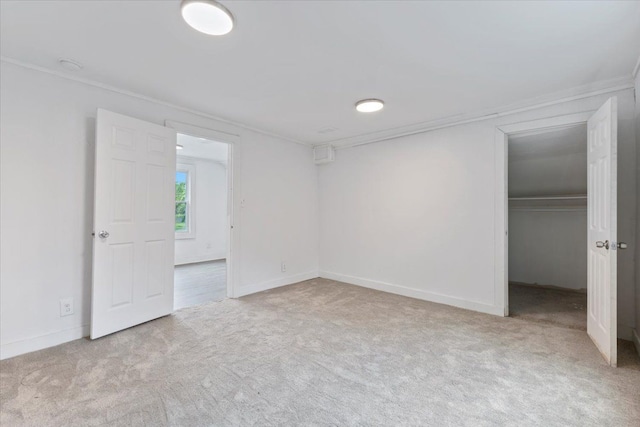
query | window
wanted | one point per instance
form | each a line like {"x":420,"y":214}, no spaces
{"x":184,"y":225}
{"x":182,"y":203}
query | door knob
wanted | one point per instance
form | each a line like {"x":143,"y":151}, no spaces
{"x":622,"y":245}
{"x":103,"y":234}
{"x":600,"y":244}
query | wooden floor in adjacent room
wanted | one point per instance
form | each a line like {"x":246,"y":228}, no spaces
{"x":200,"y":283}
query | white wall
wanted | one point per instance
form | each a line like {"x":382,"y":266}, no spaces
{"x":210,"y":212}
{"x":415,"y":215}
{"x":46,"y":197}
{"x":548,"y":248}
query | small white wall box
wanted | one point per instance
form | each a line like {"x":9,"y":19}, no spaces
{"x":324,"y":154}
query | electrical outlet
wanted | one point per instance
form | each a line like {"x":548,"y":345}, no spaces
{"x":283,"y":266}
{"x":66,"y":307}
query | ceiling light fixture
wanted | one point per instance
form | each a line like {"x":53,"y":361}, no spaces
{"x":70,"y":64}
{"x":207,"y":16}
{"x":179,"y":147}
{"x":369,"y":105}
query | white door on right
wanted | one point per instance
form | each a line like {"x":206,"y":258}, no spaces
{"x":602,"y":210}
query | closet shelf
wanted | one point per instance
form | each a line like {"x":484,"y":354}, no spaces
{"x":572,"y":197}
{"x":574,"y":202}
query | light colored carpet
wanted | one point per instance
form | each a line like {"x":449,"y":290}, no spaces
{"x":199,"y":283}
{"x":323,"y":353}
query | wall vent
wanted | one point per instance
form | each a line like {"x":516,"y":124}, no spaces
{"x":323,"y":154}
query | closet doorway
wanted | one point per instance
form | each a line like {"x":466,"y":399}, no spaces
{"x":539,"y":194}
{"x":547,"y":193}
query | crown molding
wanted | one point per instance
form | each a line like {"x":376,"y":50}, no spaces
{"x":140,"y":96}
{"x":595,"y":89}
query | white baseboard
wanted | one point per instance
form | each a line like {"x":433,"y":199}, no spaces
{"x":201,"y":258}
{"x":28,"y":345}
{"x":415,"y":293}
{"x":275,"y":283}
{"x":636,"y":340}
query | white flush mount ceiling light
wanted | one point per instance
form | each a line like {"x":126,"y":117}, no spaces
{"x":70,"y":64}
{"x":179,"y":147}
{"x":369,"y":105}
{"x":207,"y":16}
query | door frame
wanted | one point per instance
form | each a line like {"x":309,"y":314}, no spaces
{"x":501,"y":225}
{"x":233,"y":187}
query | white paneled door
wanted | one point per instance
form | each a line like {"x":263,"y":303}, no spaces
{"x":134,"y":224}
{"x":602,"y":233}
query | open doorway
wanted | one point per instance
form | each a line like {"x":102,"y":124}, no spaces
{"x":547,"y":216}
{"x":201,"y":221}
{"x":601,"y":212}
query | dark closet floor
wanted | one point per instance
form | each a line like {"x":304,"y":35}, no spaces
{"x":565,"y":308}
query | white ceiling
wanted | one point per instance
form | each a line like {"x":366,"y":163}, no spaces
{"x":297,"y":68}
{"x":202,"y":148}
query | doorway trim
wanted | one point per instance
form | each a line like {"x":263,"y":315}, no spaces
{"x":233,"y":188}
{"x":501,"y":217}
